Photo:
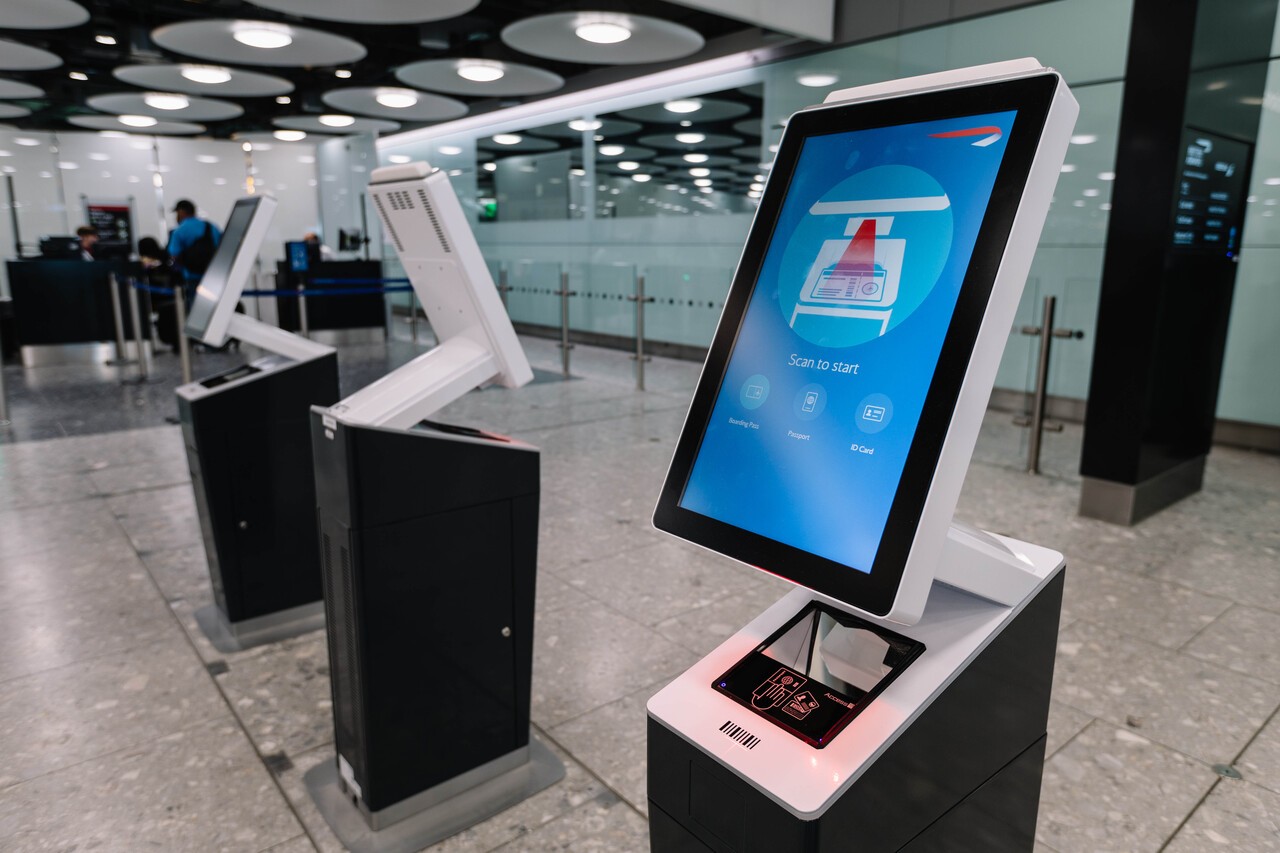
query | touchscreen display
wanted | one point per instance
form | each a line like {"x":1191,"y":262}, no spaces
{"x":834,"y":357}
{"x":214,"y":280}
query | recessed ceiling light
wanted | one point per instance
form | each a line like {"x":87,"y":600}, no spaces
{"x":166,"y":101}
{"x":491,"y":167}
{"x":1067,"y":167}
{"x":1078,"y":203}
{"x":283,"y":99}
{"x":67,"y":165}
{"x":815,"y":80}
{"x":642,"y":179}
{"x":757,"y":187}
{"x":691,"y":138}
{"x":289,"y":135}
{"x":399,"y":158}
{"x":480,"y":70}
{"x":207,"y":159}
{"x":246,"y":147}
{"x":137,"y":121}
{"x":262,"y":35}
{"x":1216,"y":85}
{"x":695,"y":158}
{"x":78,"y":75}
{"x":704,"y":189}
{"x":96,"y":155}
{"x":331,"y":120}
{"x":585,"y":124}
{"x":25,"y":140}
{"x":209,"y":74}
{"x":702,"y":182}
{"x":1084,"y":139}
{"x":611,"y":150}
{"x":629,"y":165}
{"x":1106,"y":205}
{"x":682,"y":106}
{"x":699,"y":171}
{"x":602,"y":28}
{"x":1091,"y":193}
{"x":1106,"y":176}
{"x":396,"y":99}
{"x":1272,"y":182}
{"x":103,"y":38}
{"x":507,"y":138}
{"x":449,"y":150}
{"x":764,"y":167}
{"x":453,"y":173}
{"x":342,"y":74}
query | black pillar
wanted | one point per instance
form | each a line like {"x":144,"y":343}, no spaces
{"x":1188,"y":122}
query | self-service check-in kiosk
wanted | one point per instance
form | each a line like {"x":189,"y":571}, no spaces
{"x":429,"y":552}
{"x":897,"y":700}
{"x":248,"y":434}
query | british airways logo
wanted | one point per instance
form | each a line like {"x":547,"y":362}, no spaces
{"x":988,"y":135}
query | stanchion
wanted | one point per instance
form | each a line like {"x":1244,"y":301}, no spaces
{"x":135,"y":317}
{"x":413,"y":315}
{"x":303,"y":325}
{"x":565,"y":346}
{"x":503,"y":287}
{"x":1037,"y":421}
{"x":117,"y":317}
{"x":184,"y":346}
{"x":640,"y":299}
{"x":4,"y":401}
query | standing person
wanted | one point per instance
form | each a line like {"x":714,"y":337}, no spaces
{"x":88,"y":239}
{"x":191,"y":245}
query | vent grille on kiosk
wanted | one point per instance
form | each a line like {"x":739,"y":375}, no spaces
{"x":386,"y":221}
{"x":435,"y":223}
{"x":348,"y":689}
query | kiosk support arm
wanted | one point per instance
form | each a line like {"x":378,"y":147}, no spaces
{"x":268,"y":337}
{"x":985,"y":565}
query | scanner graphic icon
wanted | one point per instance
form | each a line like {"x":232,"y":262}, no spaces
{"x":779,"y":688}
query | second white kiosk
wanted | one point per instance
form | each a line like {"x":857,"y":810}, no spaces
{"x":897,"y":700}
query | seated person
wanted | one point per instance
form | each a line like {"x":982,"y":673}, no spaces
{"x":88,"y":239}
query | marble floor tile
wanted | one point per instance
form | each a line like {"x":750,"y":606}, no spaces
{"x":20,"y":492}
{"x":282,"y":695}
{"x":150,"y":474}
{"x":1111,"y":789}
{"x":202,"y":788}
{"x":1235,"y":816}
{"x":56,"y":573}
{"x":62,"y":716}
{"x":576,"y":661}
{"x":555,"y":594}
{"x":1229,"y":569}
{"x":1065,"y":723}
{"x":659,"y":581}
{"x":1198,"y":708}
{"x":606,"y":824}
{"x":612,"y":740}
{"x":1260,"y":763}
{"x":572,"y":533}
{"x":300,"y":844}
{"x":45,"y":634}
{"x":158,"y":519}
{"x":1244,"y":639}
{"x":704,"y":629}
{"x":179,"y":572}
{"x":82,"y":525}
{"x":1163,"y":613}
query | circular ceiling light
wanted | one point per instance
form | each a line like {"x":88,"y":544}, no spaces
{"x":400,"y":158}
{"x":695,"y":158}
{"x":602,"y":29}
{"x":397,"y":99}
{"x":641,"y":179}
{"x":332,"y":120}
{"x":583,"y":125}
{"x":1084,"y":139}
{"x":78,"y":75}
{"x":343,"y":74}
{"x":682,"y":106}
{"x":209,"y":74}
{"x":700,"y":172}
{"x":263,"y":35}
{"x":289,"y":135}
{"x":103,"y":38}
{"x":284,"y":99}
{"x":815,"y":80}
{"x":166,"y":101}
{"x":507,"y":138}
{"x":629,"y":165}
{"x":691,"y":138}
{"x":449,"y":150}
{"x":757,"y":187}
{"x":491,"y":167}
{"x":480,"y":71}
{"x":611,"y":150}
{"x":702,"y":182}
{"x":137,"y":121}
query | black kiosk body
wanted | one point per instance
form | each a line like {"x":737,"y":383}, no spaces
{"x":247,"y":435}
{"x":428,"y":540}
{"x":898,"y":699}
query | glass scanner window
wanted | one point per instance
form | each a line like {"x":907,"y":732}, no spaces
{"x":852,"y":659}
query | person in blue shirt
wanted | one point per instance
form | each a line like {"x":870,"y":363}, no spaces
{"x":191,"y":245}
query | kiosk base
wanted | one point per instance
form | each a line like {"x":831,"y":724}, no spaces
{"x":429,"y":542}
{"x":436,"y":813}
{"x":948,"y":758}
{"x":248,"y":437}
{"x":230,"y":637}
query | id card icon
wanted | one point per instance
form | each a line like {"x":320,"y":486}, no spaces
{"x":875,"y":414}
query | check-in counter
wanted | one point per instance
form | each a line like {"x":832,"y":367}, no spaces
{"x":358,"y":311}
{"x":56,"y":303}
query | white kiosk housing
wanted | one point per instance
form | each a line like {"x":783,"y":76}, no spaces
{"x":247,"y":432}
{"x":897,"y":700}
{"x":428,"y":540}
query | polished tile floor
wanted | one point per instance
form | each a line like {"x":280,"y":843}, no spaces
{"x":121,"y":728}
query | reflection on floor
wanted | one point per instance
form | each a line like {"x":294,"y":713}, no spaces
{"x":121,"y":728}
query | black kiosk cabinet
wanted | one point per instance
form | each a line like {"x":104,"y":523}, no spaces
{"x":428,"y":539}
{"x":898,"y":698}
{"x":247,"y":432}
